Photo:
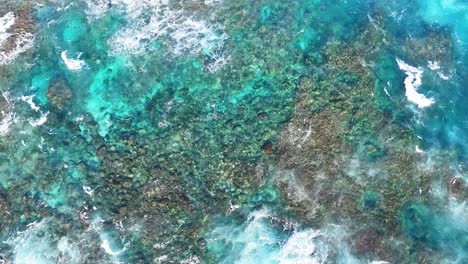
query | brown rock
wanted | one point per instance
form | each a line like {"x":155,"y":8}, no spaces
{"x":368,"y":243}
{"x":59,"y":94}
{"x":267,"y":147}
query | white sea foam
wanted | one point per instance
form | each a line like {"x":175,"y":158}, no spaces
{"x":97,"y":8}
{"x":6,"y":22}
{"x":8,"y":116}
{"x":161,"y":259}
{"x":23,"y":40}
{"x":300,"y":246}
{"x":88,"y":190}
{"x":443,"y":76}
{"x":412,"y":83}
{"x":196,"y":36}
{"x":256,"y":241}
{"x":106,"y":241}
{"x":213,"y":2}
{"x":181,"y":31}
{"x":38,"y":244}
{"x":386,"y":91}
{"x":262,"y":239}
{"x":418,"y":150}
{"x":67,"y":248}
{"x":72,"y":64}
{"x":191,"y":260}
{"x":218,"y":60}
{"x":35,"y":245}
{"x":107,"y":248}
{"x":29,"y":100}
{"x":40,"y":121}
{"x":7,"y":120}
{"x":434,"y":65}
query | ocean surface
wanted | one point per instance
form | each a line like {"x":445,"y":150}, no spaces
{"x":243,"y":132}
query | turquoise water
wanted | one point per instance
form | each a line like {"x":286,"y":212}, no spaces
{"x":218,"y":131}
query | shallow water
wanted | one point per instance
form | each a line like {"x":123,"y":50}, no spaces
{"x":218,"y":131}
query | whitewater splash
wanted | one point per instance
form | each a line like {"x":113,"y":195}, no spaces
{"x":258,"y":240}
{"x":36,"y":245}
{"x":22,"y":41}
{"x":72,"y":64}
{"x":39,"y":243}
{"x":43,"y":115}
{"x":434,"y":66}
{"x":412,"y":82}
{"x":266,"y":238}
{"x":8,"y":115}
{"x":7,"y":120}
{"x":181,"y":31}
{"x":6,"y":22}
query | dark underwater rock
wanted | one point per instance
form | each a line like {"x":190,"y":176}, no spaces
{"x":368,"y":243}
{"x":59,"y":93}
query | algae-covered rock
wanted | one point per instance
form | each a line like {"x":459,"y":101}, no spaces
{"x":59,"y":93}
{"x":368,"y":243}
{"x":418,"y":222}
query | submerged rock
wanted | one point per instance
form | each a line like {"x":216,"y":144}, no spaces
{"x":267,"y":147}
{"x":59,"y":93}
{"x":16,"y":34}
{"x":370,"y":200}
{"x":368,"y":243}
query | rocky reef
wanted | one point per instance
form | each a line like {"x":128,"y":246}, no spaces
{"x":229,"y":132}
